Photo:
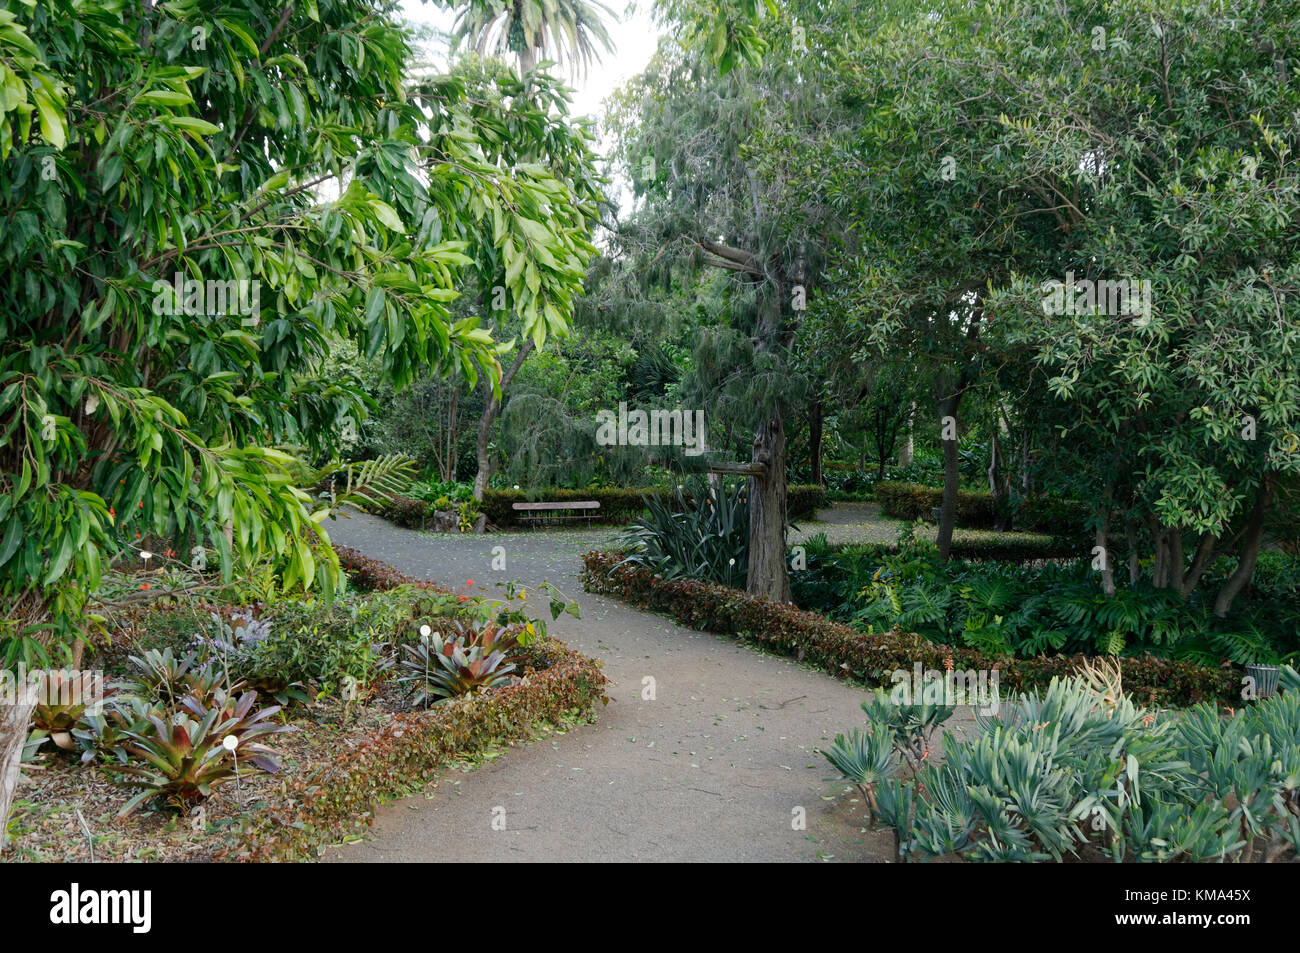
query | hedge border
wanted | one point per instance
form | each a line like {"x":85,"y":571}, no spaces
{"x":620,"y":505}
{"x":846,"y":652}
{"x":324,"y":804}
{"x":1056,"y":516}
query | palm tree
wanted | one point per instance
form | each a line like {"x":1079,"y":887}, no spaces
{"x":566,"y":30}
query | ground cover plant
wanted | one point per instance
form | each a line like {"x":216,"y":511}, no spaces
{"x":1078,"y":770}
{"x":1049,"y":606}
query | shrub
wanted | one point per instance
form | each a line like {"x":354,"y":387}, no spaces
{"x":1059,"y":517}
{"x":694,"y":533}
{"x":315,"y":644}
{"x":873,"y":657}
{"x":371,"y":575}
{"x":912,"y":501}
{"x":405,"y":511}
{"x":802,"y":501}
{"x":1079,"y":770}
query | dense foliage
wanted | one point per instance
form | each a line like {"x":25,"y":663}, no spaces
{"x":874,"y":657}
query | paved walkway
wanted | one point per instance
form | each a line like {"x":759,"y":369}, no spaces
{"x":711,"y":770}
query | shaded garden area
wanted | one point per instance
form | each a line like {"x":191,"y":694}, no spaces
{"x":941,"y":356}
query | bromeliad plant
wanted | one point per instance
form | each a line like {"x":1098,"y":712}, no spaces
{"x":440,"y":668}
{"x":185,"y":757}
{"x":64,"y":697}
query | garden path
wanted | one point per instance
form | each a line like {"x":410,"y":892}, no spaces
{"x":711,"y":770}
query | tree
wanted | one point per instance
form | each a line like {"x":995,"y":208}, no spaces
{"x":685,"y":133}
{"x":173,"y":275}
{"x":1148,"y":180}
{"x":568,"y":30}
{"x":526,"y":290}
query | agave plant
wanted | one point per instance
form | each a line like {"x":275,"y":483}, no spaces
{"x":864,"y":758}
{"x":184,"y":759}
{"x":699,"y":533}
{"x":439,"y":668}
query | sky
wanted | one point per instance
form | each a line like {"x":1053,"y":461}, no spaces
{"x":633,"y":34}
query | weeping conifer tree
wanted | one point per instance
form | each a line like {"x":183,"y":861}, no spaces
{"x":709,"y":214}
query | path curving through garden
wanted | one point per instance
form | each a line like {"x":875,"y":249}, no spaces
{"x":712,"y":769}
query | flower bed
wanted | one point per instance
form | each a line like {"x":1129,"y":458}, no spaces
{"x":325,"y":804}
{"x":347,"y":749}
{"x":847,"y":652}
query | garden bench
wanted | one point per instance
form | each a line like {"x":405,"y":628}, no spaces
{"x":547,"y":512}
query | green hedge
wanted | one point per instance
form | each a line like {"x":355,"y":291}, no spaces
{"x":847,"y":652}
{"x":1056,"y":516}
{"x":913,"y":501}
{"x":622,"y":505}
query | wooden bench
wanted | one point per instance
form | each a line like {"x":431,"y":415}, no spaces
{"x":549,"y":512}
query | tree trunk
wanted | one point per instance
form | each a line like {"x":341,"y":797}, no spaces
{"x":948,"y":405}
{"x":1249,"y":548}
{"x":491,"y":409}
{"x":908,"y":452}
{"x":1134,"y":565}
{"x":768,"y":574}
{"x":14,"y":719}
{"x":1204,"y":557}
{"x":1103,"y":540}
{"x":815,"y":441}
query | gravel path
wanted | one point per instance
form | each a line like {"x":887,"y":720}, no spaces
{"x":712,"y":769}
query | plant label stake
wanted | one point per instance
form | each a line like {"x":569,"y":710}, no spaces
{"x":230,"y":743}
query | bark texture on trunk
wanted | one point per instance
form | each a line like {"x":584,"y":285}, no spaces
{"x":948,"y":405}
{"x":907,"y":454}
{"x":1250,"y":543}
{"x":768,"y":575}
{"x":14,"y":719}
{"x":815,"y":441}
{"x":491,"y":410}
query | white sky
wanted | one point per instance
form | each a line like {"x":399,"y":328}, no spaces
{"x":634,"y":36}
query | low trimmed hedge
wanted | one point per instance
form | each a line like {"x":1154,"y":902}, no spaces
{"x":1053,"y":515}
{"x":621,"y":505}
{"x":373,"y":575}
{"x":913,"y":501}
{"x":984,"y":545}
{"x":323,"y":805}
{"x":846,"y":652}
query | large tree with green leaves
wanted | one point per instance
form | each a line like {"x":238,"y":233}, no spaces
{"x":1013,"y":144}
{"x":269,"y":163}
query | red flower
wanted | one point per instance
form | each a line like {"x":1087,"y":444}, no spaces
{"x":469,"y":582}
{"x":145,"y":586}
